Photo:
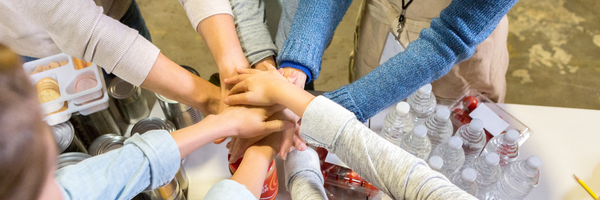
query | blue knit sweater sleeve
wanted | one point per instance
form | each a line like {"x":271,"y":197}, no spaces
{"x":314,"y":24}
{"x":451,"y":39}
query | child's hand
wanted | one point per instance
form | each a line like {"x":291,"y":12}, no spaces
{"x":249,"y":122}
{"x":259,"y":88}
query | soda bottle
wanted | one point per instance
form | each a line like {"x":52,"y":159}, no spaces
{"x":417,"y":143}
{"x":473,"y":138}
{"x":439,"y":127}
{"x":453,"y":155}
{"x":398,"y":123}
{"x":466,"y":181}
{"x":422,"y":103}
{"x":488,"y":173}
{"x":517,"y":180}
{"x":505,"y":145}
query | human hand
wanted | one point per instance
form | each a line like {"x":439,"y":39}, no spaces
{"x":264,"y":64}
{"x":250,"y":122}
{"x":300,"y":81}
{"x":259,"y":88}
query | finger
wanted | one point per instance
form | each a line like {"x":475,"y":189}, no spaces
{"x":281,"y":71}
{"x":276,"y":126}
{"x":299,"y":143}
{"x":247,"y":71}
{"x":292,"y":79}
{"x":271,"y":110}
{"x":286,"y":142}
{"x":239,"y":88}
{"x":236,"y":79}
{"x":220,"y":140}
{"x":270,"y":67}
{"x":240,"y":99}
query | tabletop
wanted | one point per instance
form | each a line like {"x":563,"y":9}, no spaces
{"x":565,"y":139}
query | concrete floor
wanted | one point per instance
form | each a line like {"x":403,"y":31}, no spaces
{"x":553,"y":48}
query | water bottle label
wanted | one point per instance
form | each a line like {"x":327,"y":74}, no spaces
{"x":491,"y":121}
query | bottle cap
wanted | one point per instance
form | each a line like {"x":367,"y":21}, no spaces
{"x":402,"y":108}
{"x":420,"y":131}
{"x":534,"y":162}
{"x":436,"y":162}
{"x":492,"y":159}
{"x":455,"y":142}
{"x":426,"y":89}
{"x":469,"y":174}
{"x":476,"y":125}
{"x":442,"y":113}
{"x":511,"y":136}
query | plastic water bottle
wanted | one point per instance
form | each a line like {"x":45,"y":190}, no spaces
{"x":436,"y":163}
{"x":466,"y":181}
{"x":398,"y":123}
{"x":452,"y":154}
{"x":517,"y":180}
{"x":422,"y":103}
{"x":505,"y":145}
{"x":439,"y":127}
{"x":488,"y":173}
{"x":473,"y":138}
{"x":417,"y":143}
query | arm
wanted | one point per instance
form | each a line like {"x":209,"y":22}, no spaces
{"x":252,"y":30}
{"x":303,"y":177}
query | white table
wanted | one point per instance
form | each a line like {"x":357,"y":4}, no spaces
{"x":567,"y":140}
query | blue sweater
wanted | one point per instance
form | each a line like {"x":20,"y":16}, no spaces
{"x":451,"y":39}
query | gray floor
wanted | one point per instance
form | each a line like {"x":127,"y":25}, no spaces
{"x":554,"y":48}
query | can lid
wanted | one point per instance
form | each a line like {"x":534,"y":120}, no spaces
{"x":70,"y":158}
{"x":120,"y":89}
{"x":106,"y":143}
{"x":63,"y":135}
{"x":152,"y":123}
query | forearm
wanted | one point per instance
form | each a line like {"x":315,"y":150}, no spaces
{"x":303,"y":177}
{"x":193,"y":137}
{"x":252,"y":30}
{"x":451,"y":39}
{"x":254,"y":167}
{"x":293,"y":98}
{"x":174,"y":82}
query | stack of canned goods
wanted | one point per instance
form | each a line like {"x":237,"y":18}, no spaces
{"x":106,"y":143}
{"x":66,"y":140}
{"x":128,"y":98}
{"x":70,"y":158}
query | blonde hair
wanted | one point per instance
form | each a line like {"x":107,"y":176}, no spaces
{"x":24,"y":162}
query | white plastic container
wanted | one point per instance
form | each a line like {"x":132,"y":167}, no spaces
{"x":86,"y":102}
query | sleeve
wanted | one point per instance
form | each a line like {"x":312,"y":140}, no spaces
{"x":228,"y":189}
{"x":198,"y":10}
{"x":252,"y":30}
{"x":144,"y":163}
{"x":394,"y":171}
{"x":451,"y":39}
{"x":313,"y":26}
{"x":80,"y":29}
{"x":303,"y":177}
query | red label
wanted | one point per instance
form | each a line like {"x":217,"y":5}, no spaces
{"x":271,"y":184}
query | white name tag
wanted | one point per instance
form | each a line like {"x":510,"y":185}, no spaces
{"x":491,"y":121}
{"x":391,"y":48}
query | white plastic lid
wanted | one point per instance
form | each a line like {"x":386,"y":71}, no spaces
{"x":426,"y":89}
{"x":534,"y":162}
{"x":402,"y":108}
{"x":436,"y":162}
{"x":455,"y":142}
{"x":442,"y":113}
{"x":469,"y":174}
{"x":476,"y":125}
{"x":492,"y":158}
{"x":511,"y":136}
{"x":420,"y":131}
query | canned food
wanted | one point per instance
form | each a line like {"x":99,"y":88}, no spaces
{"x":70,"y":158}
{"x":106,"y":143}
{"x":128,"y":98}
{"x":180,"y":114}
{"x":64,"y":135}
{"x":92,"y":126}
{"x":155,"y":123}
{"x":171,"y":191}
{"x":271,"y":184}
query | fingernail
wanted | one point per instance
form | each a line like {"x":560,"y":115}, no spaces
{"x":303,"y":146}
{"x":284,"y":156}
{"x":294,"y":75}
{"x":226,"y":101}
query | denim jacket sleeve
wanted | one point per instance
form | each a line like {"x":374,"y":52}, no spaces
{"x":394,"y":171}
{"x":145,"y":162}
{"x":451,"y":39}
{"x":252,"y":30}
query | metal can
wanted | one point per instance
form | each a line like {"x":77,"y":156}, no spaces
{"x":180,"y":114}
{"x":271,"y":184}
{"x":128,"y":98}
{"x":106,"y":143}
{"x":66,"y":140}
{"x":155,"y":123}
{"x":171,"y":191}
{"x":70,"y":158}
{"x":89,"y":127}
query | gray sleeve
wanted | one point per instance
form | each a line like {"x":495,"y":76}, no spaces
{"x":389,"y":168}
{"x":288,"y":10}
{"x":252,"y":31}
{"x":303,"y":177}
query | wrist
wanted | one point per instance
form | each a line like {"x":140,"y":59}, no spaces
{"x":260,"y":153}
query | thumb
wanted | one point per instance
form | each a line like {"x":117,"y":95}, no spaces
{"x":237,"y":99}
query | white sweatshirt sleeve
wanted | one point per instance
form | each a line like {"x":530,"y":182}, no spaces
{"x":198,"y":10}
{"x":80,"y":29}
